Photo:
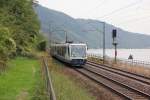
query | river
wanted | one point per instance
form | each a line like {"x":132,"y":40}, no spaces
{"x":138,"y":54}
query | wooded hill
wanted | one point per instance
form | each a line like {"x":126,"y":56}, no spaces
{"x":19,"y":28}
{"x":87,"y":30}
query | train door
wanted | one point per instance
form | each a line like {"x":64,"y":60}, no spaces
{"x":67,"y":52}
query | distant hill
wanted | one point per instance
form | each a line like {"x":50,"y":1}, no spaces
{"x":79,"y":30}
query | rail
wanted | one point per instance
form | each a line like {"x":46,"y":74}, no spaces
{"x":50,"y":90}
{"x":124,"y":84}
{"x":134,"y":76}
{"x":127,"y":61}
{"x":121,"y":89}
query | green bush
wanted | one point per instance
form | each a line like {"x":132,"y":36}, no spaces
{"x":7,"y":44}
{"x":19,"y":28}
{"x":42,"y":45}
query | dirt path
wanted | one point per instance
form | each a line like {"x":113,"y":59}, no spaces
{"x":22,"y":95}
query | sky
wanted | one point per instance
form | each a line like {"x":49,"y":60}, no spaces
{"x":130,"y":15}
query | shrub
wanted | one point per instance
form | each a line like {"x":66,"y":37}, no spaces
{"x":7,"y":45}
{"x":42,"y":45}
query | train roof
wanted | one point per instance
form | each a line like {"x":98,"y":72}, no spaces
{"x":77,"y":44}
{"x":65,"y":44}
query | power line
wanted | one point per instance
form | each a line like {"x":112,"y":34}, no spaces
{"x":126,"y":15}
{"x":101,"y":3}
{"x":137,"y":19}
{"x":122,"y":8}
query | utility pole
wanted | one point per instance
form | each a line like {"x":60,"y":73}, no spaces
{"x":50,"y":32}
{"x":66,"y":36}
{"x":104,"y":48}
{"x":50,"y":35}
{"x":65,"y":33}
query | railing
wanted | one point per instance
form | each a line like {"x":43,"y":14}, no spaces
{"x":128,"y":61}
{"x":50,"y":90}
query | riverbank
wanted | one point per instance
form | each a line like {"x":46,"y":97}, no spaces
{"x":129,"y":67}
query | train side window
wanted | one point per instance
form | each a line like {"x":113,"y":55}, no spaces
{"x":68,"y":51}
{"x":63,"y":51}
{"x":59,"y":50}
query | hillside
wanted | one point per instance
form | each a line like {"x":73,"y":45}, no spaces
{"x":79,"y":30}
{"x":19,"y":28}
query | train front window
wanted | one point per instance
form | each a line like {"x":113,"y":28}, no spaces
{"x":78,"y":51}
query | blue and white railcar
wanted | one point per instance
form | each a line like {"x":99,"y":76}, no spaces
{"x":71,"y":53}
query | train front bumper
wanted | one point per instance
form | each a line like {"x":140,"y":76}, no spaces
{"x":78,"y":62}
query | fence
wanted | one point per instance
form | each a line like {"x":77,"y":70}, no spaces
{"x":49,"y":86}
{"x":127,"y":61}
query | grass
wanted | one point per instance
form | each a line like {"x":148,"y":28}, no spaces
{"x":65,"y":87}
{"x":134,"y":68}
{"x":22,"y":80}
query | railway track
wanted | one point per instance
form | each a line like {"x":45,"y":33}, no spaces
{"x":128,"y":85}
{"x":134,"y":76}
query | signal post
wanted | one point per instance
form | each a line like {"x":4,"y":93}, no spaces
{"x":114,"y":36}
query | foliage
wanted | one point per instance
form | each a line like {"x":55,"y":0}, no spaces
{"x":7,"y":44}
{"x":19,"y":28}
{"x":42,"y":45}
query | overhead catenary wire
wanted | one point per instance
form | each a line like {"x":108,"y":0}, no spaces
{"x":100,"y":4}
{"x":120,"y":9}
{"x":123,"y":8}
{"x":108,"y":15}
{"x":135,"y":20}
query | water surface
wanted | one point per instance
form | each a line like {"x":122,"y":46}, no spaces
{"x":138,"y":54}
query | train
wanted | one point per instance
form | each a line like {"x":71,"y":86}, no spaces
{"x":74,"y":54}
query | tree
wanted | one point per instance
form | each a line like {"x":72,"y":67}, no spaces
{"x":7,"y":44}
{"x":19,"y":27}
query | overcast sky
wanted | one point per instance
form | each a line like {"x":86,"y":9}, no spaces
{"x":131,"y":15}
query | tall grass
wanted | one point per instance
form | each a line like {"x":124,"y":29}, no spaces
{"x":134,"y":68}
{"x":66,"y":88}
{"x":22,"y":80}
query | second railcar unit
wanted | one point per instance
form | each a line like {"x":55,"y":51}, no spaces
{"x":74,"y":54}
